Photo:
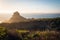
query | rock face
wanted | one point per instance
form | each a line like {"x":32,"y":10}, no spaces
{"x":16,"y":17}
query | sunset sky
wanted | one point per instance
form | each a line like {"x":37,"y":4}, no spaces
{"x":30,"y":6}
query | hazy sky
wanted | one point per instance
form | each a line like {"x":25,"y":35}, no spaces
{"x":30,"y":6}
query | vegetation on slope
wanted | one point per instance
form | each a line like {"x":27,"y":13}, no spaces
{"x":14,"y":34}
{"x":37,"y":24}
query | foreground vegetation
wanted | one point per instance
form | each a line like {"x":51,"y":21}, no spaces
{"x":14,"y":34}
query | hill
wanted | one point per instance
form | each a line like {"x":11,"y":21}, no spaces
{"x":16,"y":17}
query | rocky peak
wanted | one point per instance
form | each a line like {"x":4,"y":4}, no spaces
{"x":16,"y":17}
{"x":16,"y":13}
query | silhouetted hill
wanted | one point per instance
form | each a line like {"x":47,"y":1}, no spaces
{"x":16,"y":17}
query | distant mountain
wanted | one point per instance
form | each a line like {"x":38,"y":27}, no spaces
{"x":16,"y":17}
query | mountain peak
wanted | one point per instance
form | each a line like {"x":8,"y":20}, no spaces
{"x":16,"y":17}
{"x":16,"y":13}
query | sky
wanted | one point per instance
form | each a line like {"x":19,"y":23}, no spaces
{"x":30,"y":6}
